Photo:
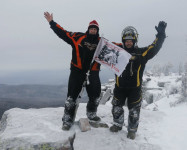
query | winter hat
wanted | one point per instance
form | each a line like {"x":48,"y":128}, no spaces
{"x":93,"y":24}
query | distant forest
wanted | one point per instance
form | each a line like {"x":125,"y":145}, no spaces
{"x":32,"y":96}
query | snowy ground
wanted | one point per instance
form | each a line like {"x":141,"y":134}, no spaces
{"x":171,"y":131}
{"x":158,"y":130}
{"x":162,"y":125}
{"x":164,"y":129}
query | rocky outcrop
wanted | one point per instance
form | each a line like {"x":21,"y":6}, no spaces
{"x":34,"y":129}
{"x":40,"y":129}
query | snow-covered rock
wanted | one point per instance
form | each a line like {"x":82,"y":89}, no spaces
{"x":41,"y":128}
{"x":34,"y":129}
{"x":84,"y":124}
{"x":107,"y":91}
{"x":159,"y":87}
{"x":106,"y":96}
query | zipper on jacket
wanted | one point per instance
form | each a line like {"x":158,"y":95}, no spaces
{"x":131,"y":71}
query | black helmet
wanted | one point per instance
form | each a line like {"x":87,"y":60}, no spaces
{"x":130,"y":33}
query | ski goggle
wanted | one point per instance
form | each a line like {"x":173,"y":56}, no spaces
{"x":129,"y":37}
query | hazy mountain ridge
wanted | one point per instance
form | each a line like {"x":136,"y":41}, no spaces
{"x":44,"y":77}
{"x":32,"y":96}
{"x":37,"y":88}
{"x":32,"y":91}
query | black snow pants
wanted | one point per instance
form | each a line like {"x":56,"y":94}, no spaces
{"x":134,"y":99}
{"x":76,"y":79}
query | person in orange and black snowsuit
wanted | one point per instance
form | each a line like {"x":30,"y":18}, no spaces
{"x":83,"y":48}
{"x":128,"y":85}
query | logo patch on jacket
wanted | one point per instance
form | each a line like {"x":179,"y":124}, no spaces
{"x":90,"y":46}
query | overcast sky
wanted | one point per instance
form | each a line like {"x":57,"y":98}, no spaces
{"x":28,"y":43}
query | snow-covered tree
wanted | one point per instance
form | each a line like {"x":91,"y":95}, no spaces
{"x":184,"y":83}
{"x":185,"y":68}
{"x":156,"y":70}
{"x":167,"y":68}
{"x":180,"y":68}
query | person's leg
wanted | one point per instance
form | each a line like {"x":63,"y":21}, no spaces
{"x":94,"y":91}
{"x":117,"y":109}
{"x":76,"y":80}
{"x":134,"y":106}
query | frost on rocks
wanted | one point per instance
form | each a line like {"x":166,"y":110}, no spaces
{"x":34,"y":129}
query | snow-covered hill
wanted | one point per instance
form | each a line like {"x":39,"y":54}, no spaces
{"x":162,"y":124}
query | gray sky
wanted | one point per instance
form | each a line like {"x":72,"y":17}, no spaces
{"x":27,"y":42}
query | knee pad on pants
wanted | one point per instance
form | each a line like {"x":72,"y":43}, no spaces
{"x":117,"y":111}
{"x":133,"y":120}
{"x":118,"y":115}
{"x":70,"y":106}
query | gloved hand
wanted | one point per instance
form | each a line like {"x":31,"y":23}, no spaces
{"x":161,"y":27}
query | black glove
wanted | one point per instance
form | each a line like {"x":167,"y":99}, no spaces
{"x":161,"y":27}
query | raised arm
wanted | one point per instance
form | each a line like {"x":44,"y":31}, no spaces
{"x":150,"y":51}
{"x":61,"y":33}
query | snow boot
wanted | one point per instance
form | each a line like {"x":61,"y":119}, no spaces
{"x":66,"y":127}
{"x":93,"y":117}
{"x":115,"y":128}
{"x":96,"y":118}
{"x":69,"y":113}
{"x":131,"y":135}
{"x":91,"y":109}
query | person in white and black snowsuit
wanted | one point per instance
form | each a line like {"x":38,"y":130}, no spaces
{"x":83,"y":49}
{"x":128,"y":85}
